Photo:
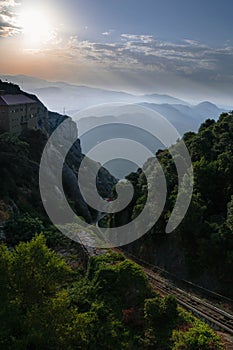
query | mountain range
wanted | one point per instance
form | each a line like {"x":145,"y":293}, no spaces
{"x":58,"y":96}
{"x":62,"y":97}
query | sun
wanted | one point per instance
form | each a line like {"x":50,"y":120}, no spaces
{"x":37,"y":27}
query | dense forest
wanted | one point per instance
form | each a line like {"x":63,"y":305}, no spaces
{"x":53,"y":297}
{"x":49,"y":303}
{"x":201,"y":248}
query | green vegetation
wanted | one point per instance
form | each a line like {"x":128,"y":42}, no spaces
{"x":198,"y":337}
{"x":59,"y":300}
{"x":44,"y":304}
{"x":21,"y":228}
{"x":204,"y":240}
{"x":19,"y":188}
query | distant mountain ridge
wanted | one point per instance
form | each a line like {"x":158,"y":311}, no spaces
{"x":186,"y":117}
{"x":68,"y":99}
{"x":158,"y":98}
{"x":58,"y":96}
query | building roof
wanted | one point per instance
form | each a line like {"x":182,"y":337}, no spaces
{"x":11,"y":100}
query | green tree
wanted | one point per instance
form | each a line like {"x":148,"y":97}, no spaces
{"x":230,"y":214}
{"x":199,"y":337}
{"x":161,"y":317}
{"x":37,"y":272}
{"x":22,"y":228}
{"x":31,"y":276}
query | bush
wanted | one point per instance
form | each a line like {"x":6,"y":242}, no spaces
{"x":22,"y":228}
{"x":199,"y":337}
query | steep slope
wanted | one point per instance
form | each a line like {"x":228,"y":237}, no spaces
{"x":20,"y":161}
{"x":201,"y":248}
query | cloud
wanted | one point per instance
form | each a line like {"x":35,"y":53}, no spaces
{"x":109,"y":32}
{"x":187,"y":59}
{"x":137,"y":38}
{"x":8,"y":18}
{"x":191,"y":42}
{"x":142,"y":61}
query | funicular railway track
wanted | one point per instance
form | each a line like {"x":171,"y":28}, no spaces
{"x":215,"y":316}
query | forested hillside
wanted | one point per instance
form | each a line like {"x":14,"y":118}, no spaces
{"x":20,"y":160}
{"x":56,"y":299}
{"x":53,"y":297}
{"x":201,"y":248}
{"x":46,"y":303}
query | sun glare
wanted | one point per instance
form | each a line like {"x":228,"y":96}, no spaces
{"x":36,"y":26}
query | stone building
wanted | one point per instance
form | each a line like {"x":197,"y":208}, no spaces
{"x":17,"y":113}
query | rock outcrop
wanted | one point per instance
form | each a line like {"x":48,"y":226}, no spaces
{"x":29,"y":163}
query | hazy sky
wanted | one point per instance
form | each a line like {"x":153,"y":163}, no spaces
{"x":178,"y":47}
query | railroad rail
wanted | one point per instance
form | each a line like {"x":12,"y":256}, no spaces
{"x":216,"y":317}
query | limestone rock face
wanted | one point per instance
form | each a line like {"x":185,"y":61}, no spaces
{"x":105,"y":181}
{"x":65,"y":134}
{"x":28,"y":167}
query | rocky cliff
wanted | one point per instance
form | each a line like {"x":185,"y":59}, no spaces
{"x":20,"y":161}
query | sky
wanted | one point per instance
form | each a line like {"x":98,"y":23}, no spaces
{"x":178,"y":47}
